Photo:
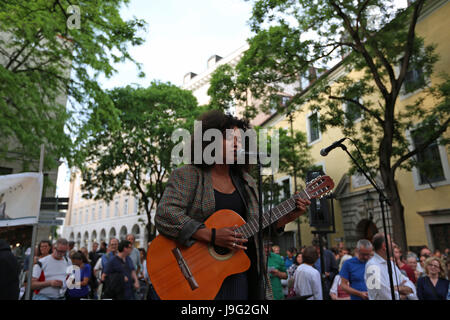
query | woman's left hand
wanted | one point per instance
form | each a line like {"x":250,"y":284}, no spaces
{"x":300,"y":210}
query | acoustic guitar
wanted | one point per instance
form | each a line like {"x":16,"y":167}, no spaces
{"x":197,"y":272}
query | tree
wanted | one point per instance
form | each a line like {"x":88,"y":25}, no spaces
{"x":50,"y":49}
{"x":375,"y":40}
{"x":130,"y":149}
{"x":294,"y":160}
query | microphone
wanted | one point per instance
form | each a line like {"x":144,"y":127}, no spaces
{"x":324,"y":152}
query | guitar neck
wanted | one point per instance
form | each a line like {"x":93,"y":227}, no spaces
{"x":252,"y":227}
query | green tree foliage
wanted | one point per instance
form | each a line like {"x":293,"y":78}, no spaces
{"x":370,"y":37}
{"x":129,"y":145}
{"x":49,"y":50}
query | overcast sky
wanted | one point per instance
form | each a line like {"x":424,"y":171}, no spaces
{"x":181,"y":36}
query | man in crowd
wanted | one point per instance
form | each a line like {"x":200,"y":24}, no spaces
{"x":103,"y":261}
{"x":54,"y":268}
{"x":135,"y":255}
{"x":120,"y":271}
{"x":331,"y":267}
{"x":344,"y":255}
{"x":353,"y":269}
{"x":377,"y":276}
{"x":9,"y":273}
{"x":94,"y":256}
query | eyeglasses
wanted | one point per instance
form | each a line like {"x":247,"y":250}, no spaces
{"x":435,"y":265}
{"x":61,"y":251}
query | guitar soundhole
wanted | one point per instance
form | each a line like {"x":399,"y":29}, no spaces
{"x":221,"y":250}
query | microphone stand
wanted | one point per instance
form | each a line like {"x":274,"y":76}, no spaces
{"x":382,"y":199}
{"x":261,"y":284}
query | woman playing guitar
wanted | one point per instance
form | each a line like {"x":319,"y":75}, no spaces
{"x":195,"y":191}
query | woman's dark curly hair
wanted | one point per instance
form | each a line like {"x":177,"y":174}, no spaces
{"x":216,"y":119}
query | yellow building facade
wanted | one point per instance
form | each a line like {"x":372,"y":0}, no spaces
{"x":427,"y":205}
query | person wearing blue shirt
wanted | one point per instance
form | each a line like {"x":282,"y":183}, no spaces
{"x":330,"y":270}
{"x":353,"y":270}
{"x":289,"y":259}
{"x":121,"y":265}
{"x":82,"y":273}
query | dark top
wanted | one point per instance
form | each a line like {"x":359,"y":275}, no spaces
{"x":230,"y":201}
{"x":9,"y":273}
{"x":117,"y":265}
{"x":83,"y":291}
{"x":425,"y":289}
{"x":240,"y":286}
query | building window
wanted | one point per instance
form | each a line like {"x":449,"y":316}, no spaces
{"x":86,"y":215}
{"x":125,"y":207}
{"x":313,"y":127}
{"x":116,"y":208}
{"x":429,"y":162}
{"x":285,"y":189}
{"x":74,"y":216}
{"x":108,"y":210}
{"x":93,"y":212}
{"x":4,"y":171}
{"x":414,"y":78}
{"x":136,"y":205}
{"x":100,"y":211}
{"x":353,"y":112}
{"x":278,"y":101}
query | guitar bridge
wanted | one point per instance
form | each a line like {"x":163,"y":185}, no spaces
{"x":185,"y":269}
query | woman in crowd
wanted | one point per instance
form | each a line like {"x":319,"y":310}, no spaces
{"x":433,"y":285}
{"x":306,"y":278}
{"x":411,"y":261}
{"x":291,"y":272}
{"x":43,"y":250}
{"x":80,"y":279}
{"x":402,"y":265}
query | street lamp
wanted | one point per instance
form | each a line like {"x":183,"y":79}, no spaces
{"x":369,"y":204}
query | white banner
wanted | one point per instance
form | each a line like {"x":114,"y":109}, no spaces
{"x":20,"y":198}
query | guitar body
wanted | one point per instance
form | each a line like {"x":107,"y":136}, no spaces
{"x":207,"y":267}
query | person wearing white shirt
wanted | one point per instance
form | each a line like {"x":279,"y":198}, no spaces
{"x":377,"y":275}
{"x":307,"y":278}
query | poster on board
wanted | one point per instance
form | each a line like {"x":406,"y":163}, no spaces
{"x":20,"y":198}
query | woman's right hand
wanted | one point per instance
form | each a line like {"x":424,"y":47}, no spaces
{"x":225,"y":237}
{"x":229,"y":238}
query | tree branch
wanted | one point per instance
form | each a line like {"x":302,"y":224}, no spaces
{"x":361,"y":48}
{"x":381,"y":121}
{"x":422,"y":147}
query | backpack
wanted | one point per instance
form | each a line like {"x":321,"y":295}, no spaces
{"x":42,"y":275}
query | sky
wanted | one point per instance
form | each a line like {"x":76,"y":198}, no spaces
{"x":180,"y":37}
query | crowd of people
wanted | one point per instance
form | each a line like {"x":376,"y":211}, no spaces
{"x":118,"y":271}
{"x":359,"y":274}
{"x":60,"y":271}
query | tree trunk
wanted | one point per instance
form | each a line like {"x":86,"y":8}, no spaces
{"x":396,"y":209}
{"x":388,"y":178}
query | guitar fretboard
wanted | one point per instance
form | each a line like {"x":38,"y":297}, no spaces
{"x":271,"y":216}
